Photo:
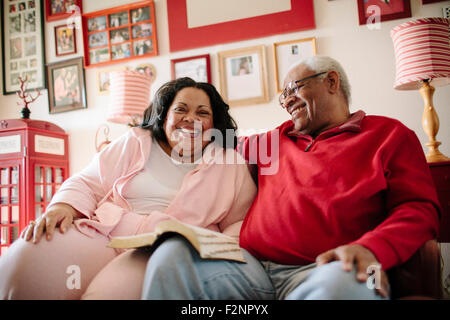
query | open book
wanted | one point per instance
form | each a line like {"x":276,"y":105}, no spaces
{"x":209,"y":244}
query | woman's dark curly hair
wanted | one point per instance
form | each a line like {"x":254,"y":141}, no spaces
{"x":155,"y":114}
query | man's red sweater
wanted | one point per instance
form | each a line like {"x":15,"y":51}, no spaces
{"x":365,"y":182}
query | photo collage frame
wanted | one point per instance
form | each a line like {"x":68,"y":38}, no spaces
{"x":23,"y":44}
{"x":120,"y":34}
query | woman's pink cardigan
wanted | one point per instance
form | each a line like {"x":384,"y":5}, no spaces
{"x":216,"y":194}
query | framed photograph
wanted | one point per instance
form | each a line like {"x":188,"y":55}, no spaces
{"x":197,"y":68}
{"x":287,"y":53}
{"x":62,"y":9}
{"x":446,"y":12}
{"x":190,"y":27}
{"x":147,"y":68}
{"x":386,"y":10}
{"x":119,"y":34}
{"x":66,"y":90}
{"x":65,"y":42}
{"x":23,"y":44}
{"x":243,"y":76}
{"x":103,"y":80}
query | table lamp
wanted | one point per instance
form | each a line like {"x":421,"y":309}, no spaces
{"x":129,"y":97}
{"x":422,"y":58}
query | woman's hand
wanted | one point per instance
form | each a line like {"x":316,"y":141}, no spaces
{"x":58,"y":215}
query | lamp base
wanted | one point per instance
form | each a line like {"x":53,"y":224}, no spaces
{"x":434,"y":155}
{"x":430,"y":124}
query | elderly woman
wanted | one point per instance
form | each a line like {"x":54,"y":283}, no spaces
{"x":167,"y":168}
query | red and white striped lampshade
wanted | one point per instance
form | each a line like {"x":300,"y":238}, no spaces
{"x":129,"y":95}
{"x":422,"y":51}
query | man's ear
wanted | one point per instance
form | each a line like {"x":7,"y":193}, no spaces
{"x":333,"y":81}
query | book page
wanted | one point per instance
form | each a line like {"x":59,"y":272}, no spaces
{"x":137,"y":241}
{"x":215,"y":245}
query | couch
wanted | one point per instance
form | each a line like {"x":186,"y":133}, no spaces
{"x":419,"y":277}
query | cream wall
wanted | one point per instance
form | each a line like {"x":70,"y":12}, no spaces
{"x":367,"y":55}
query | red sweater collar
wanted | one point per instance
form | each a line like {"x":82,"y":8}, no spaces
{"x":352,"y":124}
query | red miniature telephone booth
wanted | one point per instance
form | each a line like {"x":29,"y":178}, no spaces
{"x":34,"y":161}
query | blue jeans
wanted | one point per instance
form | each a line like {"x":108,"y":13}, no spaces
{"x":176,"y":271}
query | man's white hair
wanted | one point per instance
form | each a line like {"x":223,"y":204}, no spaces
{"x":323,"y":64}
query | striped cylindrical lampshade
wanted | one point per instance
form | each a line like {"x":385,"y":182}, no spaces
{"x":129,"y":95}
{"x":422,"y":52}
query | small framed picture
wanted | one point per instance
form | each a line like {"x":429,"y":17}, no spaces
{"x":446,"y":12}
{"x":287,"y":53}
{"x":66,"y":91}
{"x":62,"y":9}
{"x":197,"y":68}
{"x":243,"y":76}
{"x":103,"y":81}
{"x":148,"y":69}
{"x":371,"y":10}
{"x":65,"y":41}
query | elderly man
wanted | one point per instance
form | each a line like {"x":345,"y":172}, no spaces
{"x":352,"y":197}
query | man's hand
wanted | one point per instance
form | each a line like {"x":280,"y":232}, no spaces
{"x":360,"y":256}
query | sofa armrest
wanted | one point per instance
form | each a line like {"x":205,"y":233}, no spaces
{"x":420,"y":276}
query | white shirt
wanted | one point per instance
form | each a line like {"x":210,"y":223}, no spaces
{"x":157,"y":185}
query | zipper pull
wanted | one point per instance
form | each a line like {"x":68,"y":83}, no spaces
{"x":309,"y":146}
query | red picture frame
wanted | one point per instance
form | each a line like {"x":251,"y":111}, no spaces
{"x":119,"y":34}
{"x":197,"y":68}
{"x":300,"y":17}
{"x":397,"y":9}
{"x":53,"y":13}
{"x":65,"y":45}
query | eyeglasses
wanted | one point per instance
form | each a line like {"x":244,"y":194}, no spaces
{"x":292,"y":88}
